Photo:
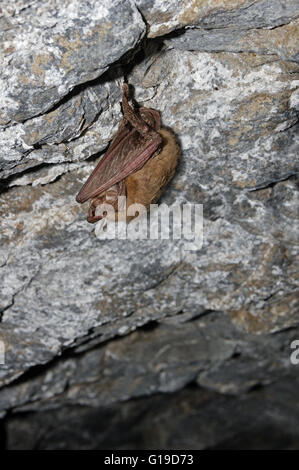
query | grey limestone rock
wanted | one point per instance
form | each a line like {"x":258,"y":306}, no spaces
{"x":192,"y":338}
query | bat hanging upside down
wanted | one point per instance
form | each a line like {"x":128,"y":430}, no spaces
{"x":138,"y":164}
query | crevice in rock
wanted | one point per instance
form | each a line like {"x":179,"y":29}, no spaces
{"x":3,"y":310}
{"x":149,"y":326}
{"x":271,"y":184}
{"x":200,"y":315}
{"x":271,"y":28}
{"x":147,"y":26}
{"x":245,"y":29}
{"x":284,"y":329}
{"x":117,"y":70}
{"x":15,"y":294}
{"x":5,"y":184}
{"x":114,"y":71}
{"x":176,"y":33}
{"x":71,"y":352}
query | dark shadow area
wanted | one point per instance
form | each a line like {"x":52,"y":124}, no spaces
{"x":2,"y":435}
{"x":193,"y":418}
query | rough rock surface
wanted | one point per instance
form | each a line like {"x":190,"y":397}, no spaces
{"x":50,"y":47}
{"x":150,"y":333}
{"x":164,"y":16}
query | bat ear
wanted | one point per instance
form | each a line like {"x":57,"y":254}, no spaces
{"x":151,"y":117}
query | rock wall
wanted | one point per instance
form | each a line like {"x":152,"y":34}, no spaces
{"x":170,"y":348}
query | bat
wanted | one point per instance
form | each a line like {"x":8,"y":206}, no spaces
{"x":138,"y":164}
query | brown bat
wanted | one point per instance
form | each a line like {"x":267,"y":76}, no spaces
{"x":138,"y":164}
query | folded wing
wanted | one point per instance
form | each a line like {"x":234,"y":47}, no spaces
{"x":128,"y":152}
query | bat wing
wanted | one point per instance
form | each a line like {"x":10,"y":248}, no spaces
{"x":128,"y":152}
